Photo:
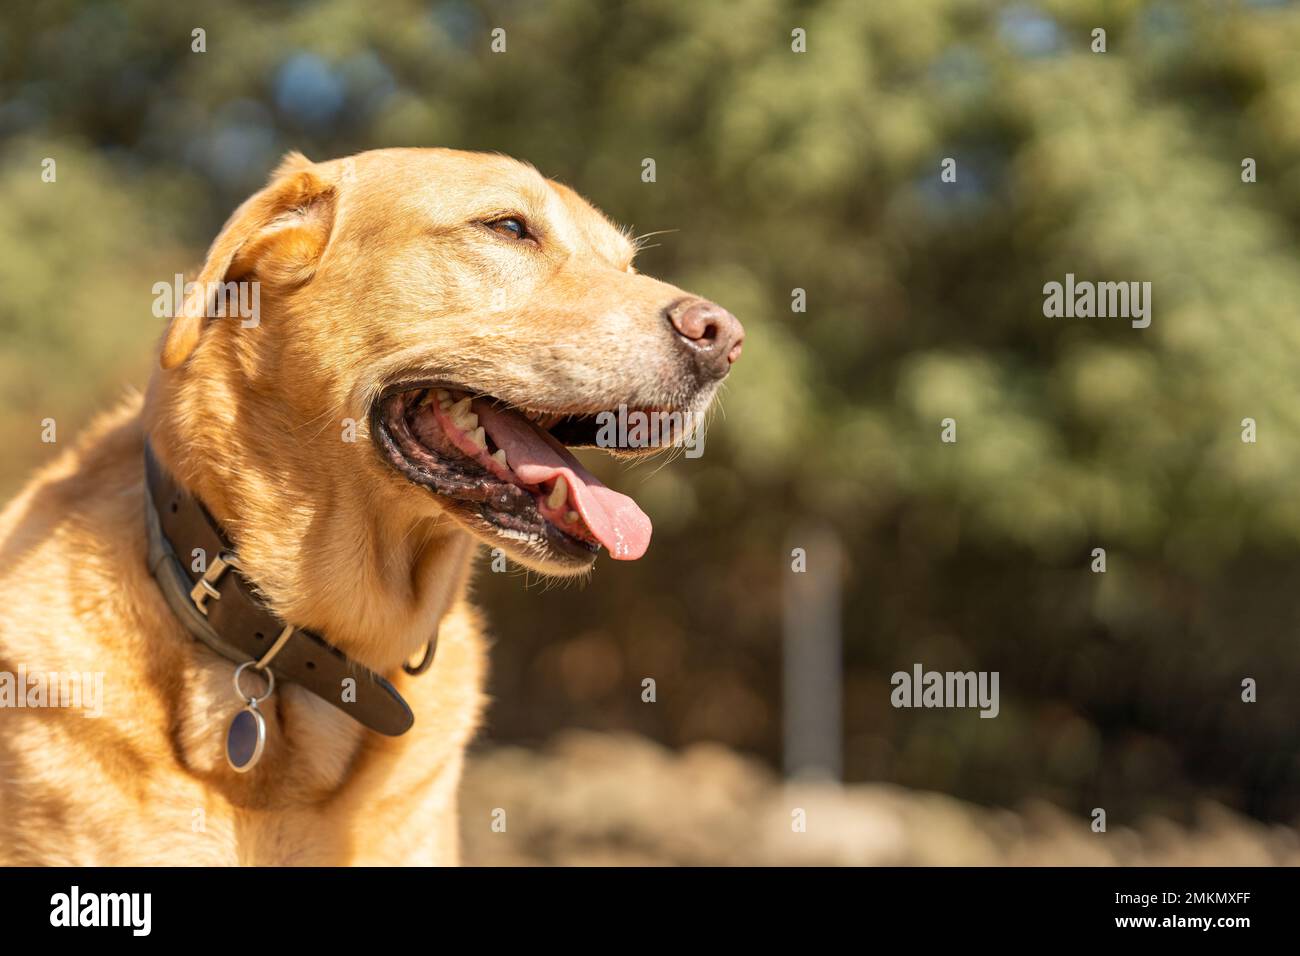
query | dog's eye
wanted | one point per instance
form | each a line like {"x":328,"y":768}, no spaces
{"x":510,"y":227}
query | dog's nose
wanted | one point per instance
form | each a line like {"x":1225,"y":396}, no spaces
{"x":713,"y":334}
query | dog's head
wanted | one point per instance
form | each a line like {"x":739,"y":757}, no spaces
{"x":471,"y":321}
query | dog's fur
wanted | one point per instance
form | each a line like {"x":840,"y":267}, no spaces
{"x":372,"y":268}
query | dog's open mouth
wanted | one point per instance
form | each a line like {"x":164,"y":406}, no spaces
{"x":512,"y":468}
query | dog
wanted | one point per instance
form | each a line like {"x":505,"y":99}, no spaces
{"x":301,"y":498}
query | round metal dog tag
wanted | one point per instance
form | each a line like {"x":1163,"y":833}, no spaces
{"x":246,"y":739}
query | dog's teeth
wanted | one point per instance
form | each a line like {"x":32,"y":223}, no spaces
{"x":443,"y":394}
{"x":425,"y":399}
{"x":571,"y":517}
{"x":479,"y":437}
{"x":462,"y":417}
{"x":445,"y":404}
{"x":499,"y":456}
{"x":559,"y":494}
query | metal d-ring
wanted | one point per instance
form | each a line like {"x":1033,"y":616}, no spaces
{"x":429,"y":650}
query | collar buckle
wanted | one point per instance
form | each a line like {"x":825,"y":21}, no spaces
{"x":206,"y":587}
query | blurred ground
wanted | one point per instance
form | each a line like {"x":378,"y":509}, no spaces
{"x":620,"y":799}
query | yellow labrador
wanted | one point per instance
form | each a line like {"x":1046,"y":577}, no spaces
{"x":233,"y":624}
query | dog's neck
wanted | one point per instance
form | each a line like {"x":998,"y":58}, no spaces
{"x":374,"y":582}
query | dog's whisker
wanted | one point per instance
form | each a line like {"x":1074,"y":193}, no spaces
{"x":638,"y":240}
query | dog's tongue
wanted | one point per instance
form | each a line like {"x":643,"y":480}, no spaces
{"x":536,"y":457}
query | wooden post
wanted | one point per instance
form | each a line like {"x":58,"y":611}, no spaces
{"x":812,"y":662}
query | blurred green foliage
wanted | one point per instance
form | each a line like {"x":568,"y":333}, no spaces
{"x":817,"y":171}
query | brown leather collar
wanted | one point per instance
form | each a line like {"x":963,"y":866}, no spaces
{"x":221,"y":608}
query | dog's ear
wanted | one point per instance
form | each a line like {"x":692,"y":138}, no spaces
{"x":276,"y":238}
